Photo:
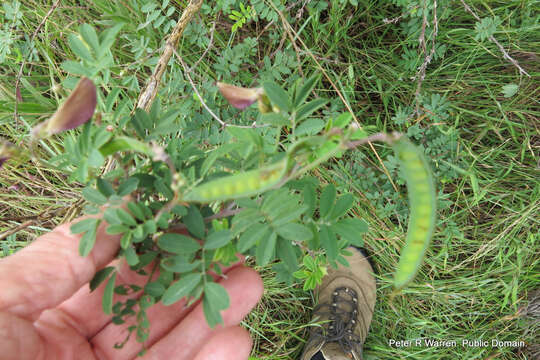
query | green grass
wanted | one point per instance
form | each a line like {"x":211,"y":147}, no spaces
{"x":483,"y":262}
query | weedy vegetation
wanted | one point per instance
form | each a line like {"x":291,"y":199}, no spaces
{"x":409,"y":128}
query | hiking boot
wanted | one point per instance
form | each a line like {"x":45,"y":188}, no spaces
{"x":346,"y":301}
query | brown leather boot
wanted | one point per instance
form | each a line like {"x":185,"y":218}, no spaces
{"x":346,"y":302}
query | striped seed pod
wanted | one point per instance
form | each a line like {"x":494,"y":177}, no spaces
{"x":421,"y":190}
{"x":239,"y":185}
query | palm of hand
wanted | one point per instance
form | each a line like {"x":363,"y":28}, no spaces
{"x":48,"y":312}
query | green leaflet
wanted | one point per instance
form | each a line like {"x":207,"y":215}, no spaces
{"x":239,"y":185}
{"x":122,"y":143}
{"x":421,"y":191}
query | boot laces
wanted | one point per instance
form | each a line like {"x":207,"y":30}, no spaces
{"x":343,"y":315}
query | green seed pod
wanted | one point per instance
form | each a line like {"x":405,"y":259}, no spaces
{"x":421,"y":191}
{"x":239,"y":185}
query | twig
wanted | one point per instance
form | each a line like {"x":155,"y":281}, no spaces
{"x":398,"y":18}
{"x":150,"y":91}
{"x":288,"y":29}
{"x":493,"y":40}
{"x":21,"y":68}
{"x":375,"y":137}
{"x":44,"y":216}
{"x":210,"y":44}
{"x":186,"y":72}
{"x":422,"y":38}
{"x":15,"y":229}
{"x":300,"y":12}
{"x":223,"y":123}
{"x":421,"y":74}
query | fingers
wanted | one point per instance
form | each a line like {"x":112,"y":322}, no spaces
{"x":18,"y":338}
{"x":52,"y":337}
{"x":233,"y":343}
{"x":184,"y":342}
{"x":162,"y":319}
{"x":93,"y":320}
{"x":85,"y":309}
{"x":50,"y":270}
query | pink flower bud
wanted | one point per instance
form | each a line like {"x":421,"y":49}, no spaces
{"x":75,"y":111}
{"x":240,"y":97}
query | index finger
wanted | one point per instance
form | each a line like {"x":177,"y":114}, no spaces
{"x":50,"y":270}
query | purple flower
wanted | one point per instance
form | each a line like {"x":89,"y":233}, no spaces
{"x":75,"y":111}
{"x":240,"y":97}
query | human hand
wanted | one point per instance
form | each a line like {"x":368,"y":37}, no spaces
{"x":48,"y":312}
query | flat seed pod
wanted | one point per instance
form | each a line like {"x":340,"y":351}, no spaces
{"x":75,"y":111}
{"x":421,"y":191}
{"x":239,"y":185}
{"x":239,"y":97}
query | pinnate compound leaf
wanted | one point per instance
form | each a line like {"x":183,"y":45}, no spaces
{"x":89,"y":35}
{"x":100,"y":276}
{"x":79,"y":48}
{"x":307,"y":109}
{"x":343,"y":204}
{"x":218,"y":239}
{"x":328,"y":242}
{"x":212,"y":316}
{"x":115,"y":229}
{"x":351,"y":229}
{"x":218,"y":296}
{"x":328,"y":196}
{"x":295,"y":232}
{"x":178,"y":244}
{"x":215,"y":299}
{"x":305,"y":90}
{"x":154,"y":288}
{"x":86,"y":244}
{"x":107,"y":300}
{"x":277,"y":95}
{"x":181,"y":288}
{"x":94,"y":196}
{"x":179,"y":264}
{"x":266,"y":249}
{"x":83,"y":226}
{"x":128,"y":186}
{"x":126,"y":218}
{"x":510,"y":90}
{"x":194,"y":222}
{"x":108,"y":37}
{"x":252,"y":235}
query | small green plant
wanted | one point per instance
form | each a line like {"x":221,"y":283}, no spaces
{"x":246,"y":14}
{"x":187,"y":210}
{"x":486,"y":27}
{"x":155,"y":189}
{"x":9,"y":20}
